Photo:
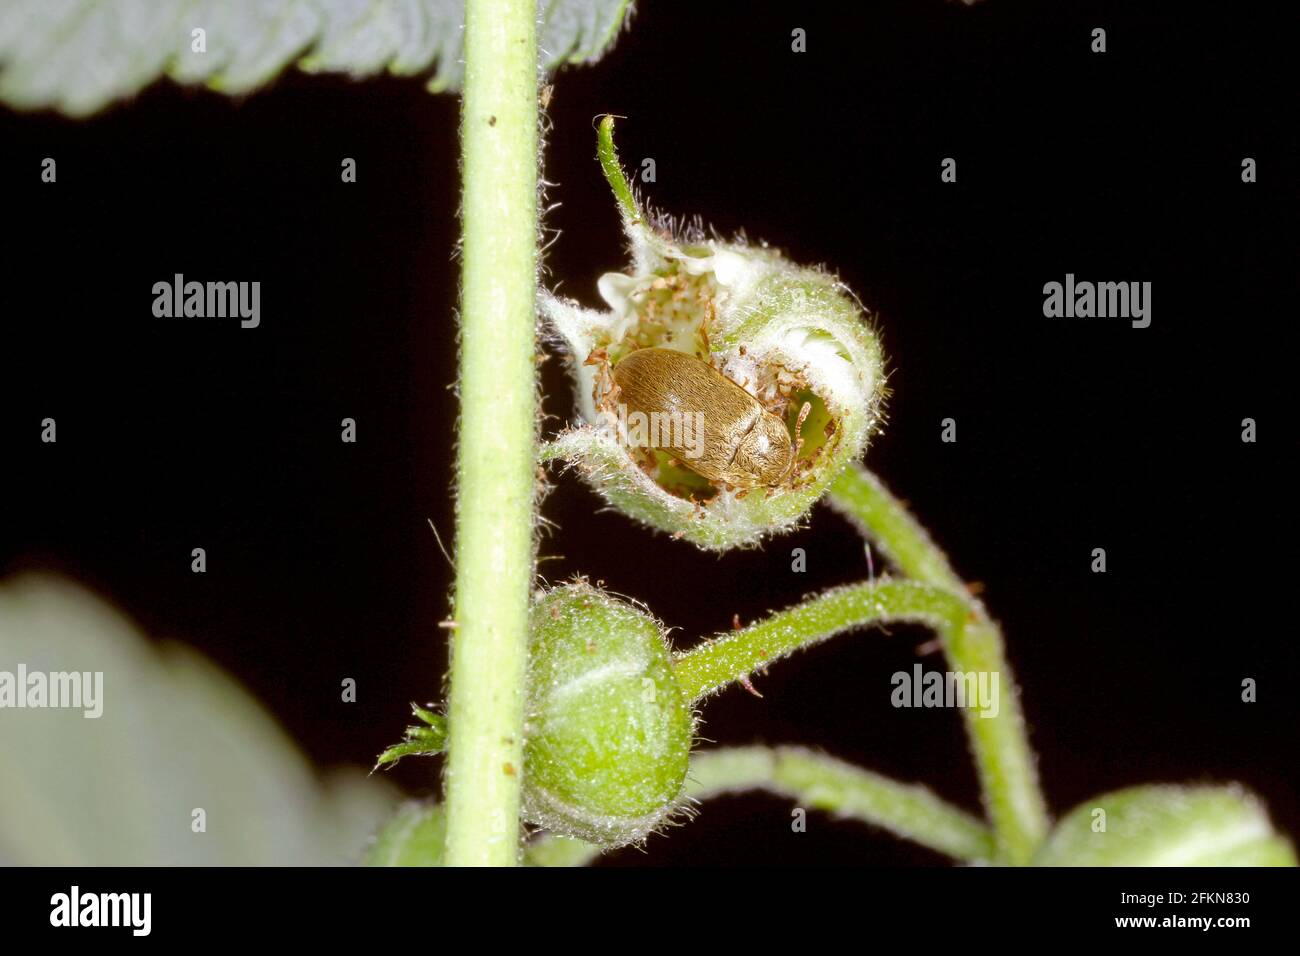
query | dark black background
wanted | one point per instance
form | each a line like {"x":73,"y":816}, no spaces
{"x":1072,"y":434}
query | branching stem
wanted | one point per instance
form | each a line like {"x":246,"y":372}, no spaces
{"x":1005,"y":762}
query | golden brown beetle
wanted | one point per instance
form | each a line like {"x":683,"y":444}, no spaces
{"x":710,"y":424}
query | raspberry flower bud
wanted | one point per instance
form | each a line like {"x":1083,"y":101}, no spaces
{"x":1168,"y":825}
{"x":791,"y":393}
{"x":607,"y":731}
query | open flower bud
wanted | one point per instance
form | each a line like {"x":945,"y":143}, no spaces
{"x":607,"y":731}
{"x":776,"y":385}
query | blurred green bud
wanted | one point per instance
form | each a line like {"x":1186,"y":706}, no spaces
{"x":1168,"y":826}
{"x":607,"y":731}
{"x":413,"y":837}
{"x":794,"y":339}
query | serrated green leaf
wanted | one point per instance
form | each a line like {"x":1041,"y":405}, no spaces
{"x":176,"y":735}
{"x":78,"y":56}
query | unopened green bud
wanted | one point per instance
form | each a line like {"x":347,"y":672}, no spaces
{"x":607,"y":732}
{"x":1168,"y":826}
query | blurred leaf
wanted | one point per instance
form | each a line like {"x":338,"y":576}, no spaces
{"x":77,"y":56}
{"x":1168,"y":826}
{"x":176,"y":734}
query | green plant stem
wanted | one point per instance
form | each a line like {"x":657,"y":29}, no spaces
{"x":815,"y":780}
{"x":1005,"y":762}
{"x":495,"y":462}
{"x":712,"y":665}
{"x":812,"y":780}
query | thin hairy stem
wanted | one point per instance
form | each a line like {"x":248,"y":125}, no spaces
{"x":708,"y":667}
{"x":812,"y":780}
{"x":1005,"y":762}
